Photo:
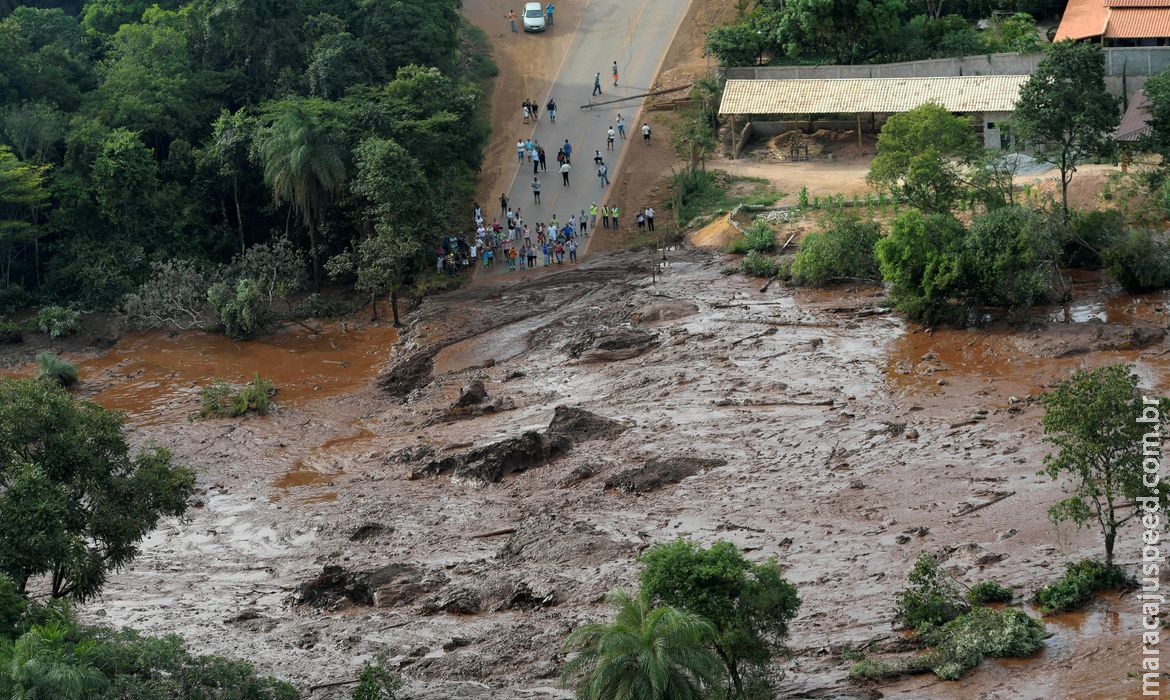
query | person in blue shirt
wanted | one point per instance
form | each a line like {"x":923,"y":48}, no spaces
{"x":549,"y":11}
{"x":568,"y":152}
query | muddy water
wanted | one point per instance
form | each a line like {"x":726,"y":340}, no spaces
{"x":155,"y":376}
{"x":319,"y":468}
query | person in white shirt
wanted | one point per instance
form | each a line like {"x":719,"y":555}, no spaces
{"x":565,"y":174}
{"x":646,"y":133}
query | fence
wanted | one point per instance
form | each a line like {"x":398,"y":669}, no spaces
{"x":1125,"y":68}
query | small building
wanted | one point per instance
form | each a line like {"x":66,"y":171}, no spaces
{"x":1116,"y":23}
{"x":989,"y":99}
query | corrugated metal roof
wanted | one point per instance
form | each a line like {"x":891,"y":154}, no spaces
{"x":1136,"y":122}
{"x":1138,"y":23}
{"x":971,"y":93}
{"x":1082,"y":19}
{"x":1136,"y":3}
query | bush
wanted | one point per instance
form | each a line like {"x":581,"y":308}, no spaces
{"x":10,"y":333}
{"x":923,"y":260}
{"x":1005,"y":258}
{"x":54,"y":369}
{"x":222,"y":400}
{"x":12,"y":297}
{"x":758,"y":265}
{"x":1080,"y":581}
{"x":57,"y":321}
{"x":376,"y":682}
{"x":1088,"y":234}
{"x":986,"y":592}
{"x":959,"y":645}
{"x":1138,"y":262}
{"x":239,"y":308}
{"x":931,"y":599}
{"x":844,"y":247}
{"x":175,"y":295}
{"x":760,"y":237}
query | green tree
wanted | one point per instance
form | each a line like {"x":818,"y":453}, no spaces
{"x":739,"y":44}
{"x":125,"y":174}
{"x":232,"y":134}
{"x":45,"y":58}
{"x":22,"y":192}
{"x":842,"y":249}
{"x":924,"y":155}
{"x":922,"y":258}
{"x":33,"y":128}
{"x":1065,"y":111}
{"x":43,"y":663}
{"x":303,"y":166}
{"x":1009,"y":258}
{"x":644,"y":654}
{"x":1157,"y":89}
{"x":1100,"y":425}
{"x":1138,"y":261}
{"x":75,"y":503}
{"x":849,"y":31}
{"x":1019,"y":33}
{"x":749,"y":604}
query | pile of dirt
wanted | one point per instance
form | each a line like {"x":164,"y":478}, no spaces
{"x":550,"y":541}
{"x":612,"y":345}
{"x":656,"y":473}
{"x":408,"y":372}
{"x":473,"y":402}
{"x":1072,"y":339}
{"x":491,"y":463}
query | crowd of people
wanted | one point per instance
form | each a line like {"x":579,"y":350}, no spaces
{"x":509,"y":239}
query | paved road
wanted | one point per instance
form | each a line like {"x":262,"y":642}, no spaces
{"x":636,"y":34}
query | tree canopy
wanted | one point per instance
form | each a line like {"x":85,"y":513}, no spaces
{"x":75,"y":501}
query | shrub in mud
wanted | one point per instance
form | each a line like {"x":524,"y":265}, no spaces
{"x":57,"y":321}
{"x":1080,"y":581}
{"x":10,"y":333}
{"x":843,"y":248}
{"x":758,"y":236}
{"x":758,"y":265}
{"x":221,"y":399}
{"x":959,"y":645}
{"x":986,"y":592}
{"x":1138,"y":262}
{"x":931,"y":598}
{"x":53,"y":369}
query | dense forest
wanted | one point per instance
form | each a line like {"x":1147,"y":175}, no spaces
{"x":145,"y":147}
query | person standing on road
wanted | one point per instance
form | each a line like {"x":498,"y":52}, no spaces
{"x":548,"y":11}
{"x":568,"y":152}
{"x":504,"y":197}
{"x":541,"y":160}
{"x":593,"y":215}
{"x":621,"y":125}
{"x":565,"y":174}
{"x":520,"y":149}
{"x":511,"y":17}
{"x":597,"y":159}
{"x":615,"y":74}
{"x":535,"y":110}
{"x":536,"y":190}
{"x":603,"y":174}
{"x":613,"y":213}
{"x":572,"y":251}
{"x":609,"y":139}
{"x":650,"y":218}
{"x":597,"y":83}
{"x":551,"y":108}
{"x":605,"y":216}
{"x":584,"y":224}
{"x":646,"y":133}
{"x":640,"y":219}
{"x":535,"y":162}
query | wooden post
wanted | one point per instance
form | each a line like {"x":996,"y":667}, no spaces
{"x":859,"y":131}
{"x":734,"y":150}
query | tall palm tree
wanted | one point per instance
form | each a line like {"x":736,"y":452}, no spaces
{"x":44,"y":663}
{"x":303,"y":167}
{"x":644,"y":654}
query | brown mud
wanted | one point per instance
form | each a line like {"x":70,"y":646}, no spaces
{"x":809,"y":426}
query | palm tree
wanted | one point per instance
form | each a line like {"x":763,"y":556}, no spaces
{"x":644,"y":654}
{"x":303,"y":167}
{"x":45,"y":663}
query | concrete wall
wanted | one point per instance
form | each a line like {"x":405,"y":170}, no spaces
{"x":1132,"y":63}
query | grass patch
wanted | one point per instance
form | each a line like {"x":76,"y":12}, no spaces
{"x":221,"y":399}
{"x":959,"y":645}
{"x":697,"y":192}
{"x":986,"y":592}
{"x":1080,"y":581}
{"x":435,"y":283}
{"x":54,"y":369}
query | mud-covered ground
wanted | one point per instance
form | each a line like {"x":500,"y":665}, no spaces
{"x":463,"y":536}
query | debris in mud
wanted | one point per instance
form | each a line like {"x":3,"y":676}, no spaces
{"x":458,"y":601}
{"x":409,"y":372}
{"x":474,"y":393}
{"x":369,"y":530}
{"x":578,"y":475}
{"x":521,"y":596}
{"x":388,"y":586}
{"x":550,"y":541}
{"x":491,"y":463}
{"x":473,"y":402}
{"x":972,"y":555}
{"x":664,"y":311}
{"x":621,"y":344}
{"x":656,"y":473}
{"x":1072,"y":339}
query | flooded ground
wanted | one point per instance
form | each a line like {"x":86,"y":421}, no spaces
{"x":832,"y":444}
